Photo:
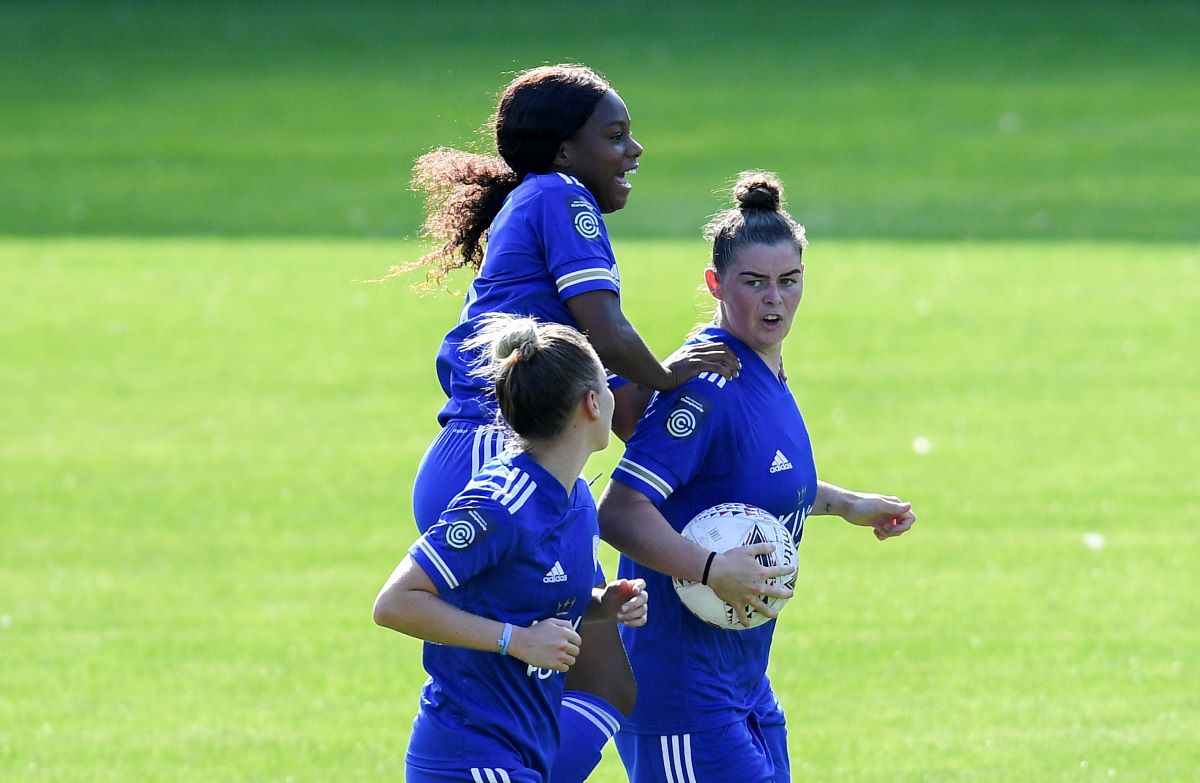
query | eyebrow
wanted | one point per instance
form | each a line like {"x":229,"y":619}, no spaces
{"x":795,"y":271}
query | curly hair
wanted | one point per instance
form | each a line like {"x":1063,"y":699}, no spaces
{"x":538,"y":110}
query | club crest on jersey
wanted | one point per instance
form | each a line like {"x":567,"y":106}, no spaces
{"x":685,"y":417}
{"x":584,"y":218}
{"x":468,"y":528}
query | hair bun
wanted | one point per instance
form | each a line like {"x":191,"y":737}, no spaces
{"x":520,"y":337}
{"x":758,"y":190}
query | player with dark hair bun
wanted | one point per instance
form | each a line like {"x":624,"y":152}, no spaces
{"x":503,"y":580}
{"x":705,"y":710}
{"x":530,"y":221}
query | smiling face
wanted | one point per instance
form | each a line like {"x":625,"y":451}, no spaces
{"x":602,"y":154}
{"x":758,"y":295}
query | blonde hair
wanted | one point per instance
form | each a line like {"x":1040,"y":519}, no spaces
{"x":538,"y":371}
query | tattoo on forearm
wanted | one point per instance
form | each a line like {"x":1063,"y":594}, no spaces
{"x":828,"y":506}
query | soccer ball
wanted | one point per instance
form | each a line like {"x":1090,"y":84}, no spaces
{"x":727,"y":526}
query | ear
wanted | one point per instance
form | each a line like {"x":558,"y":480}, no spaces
{"x":562,"y":158}
{"x":713,"y":283}
{"x":591,"y":404}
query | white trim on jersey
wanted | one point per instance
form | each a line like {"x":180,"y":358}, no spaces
{"x":585,"y":276}
{"x":567,"y":178}
{"x":646,"y":476}
{"x":516,"y":485}
{"x":489,"y":441}
{"x":712,"y":377}
{"x":598,"y":717}
{"x":438,"y":562}
{"x":494,"y":775}
{"x":678,"y":760}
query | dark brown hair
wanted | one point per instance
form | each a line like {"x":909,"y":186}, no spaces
{"x":758,"y":219}
{"x":538,"y":110}
{"x":538,"y":369}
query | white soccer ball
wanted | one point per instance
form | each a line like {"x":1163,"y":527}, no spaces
{"x":727,"y":526}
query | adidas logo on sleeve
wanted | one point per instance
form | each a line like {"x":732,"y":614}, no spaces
{"x":556,"y":574}
{"x":780,"y":463}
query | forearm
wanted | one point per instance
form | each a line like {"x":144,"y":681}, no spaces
{"x":595,"y":609}
{"x":425,"y":616}
{"x":416,"y":610}
{"x":624,"y":352}
{"x":832,"y":500}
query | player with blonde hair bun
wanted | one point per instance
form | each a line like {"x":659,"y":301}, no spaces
{"x":500,"y":584}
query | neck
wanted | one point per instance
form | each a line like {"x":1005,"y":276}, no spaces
{"x":771,"y":354}
{"x":563,"y":458}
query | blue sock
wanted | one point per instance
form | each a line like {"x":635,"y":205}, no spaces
{"x":585,"y":723}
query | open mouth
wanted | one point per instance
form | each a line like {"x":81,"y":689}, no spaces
{"x":772,"y":319}
{"x":623,"y":178}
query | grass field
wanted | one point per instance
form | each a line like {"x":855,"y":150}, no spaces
{"x":209,"y":424}
{"x":206,"y":461}
{"x":889,"y":119}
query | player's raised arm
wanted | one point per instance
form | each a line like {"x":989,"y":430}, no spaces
{"x":624,"y":352}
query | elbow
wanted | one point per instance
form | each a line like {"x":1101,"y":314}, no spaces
{"x":384,"y":613}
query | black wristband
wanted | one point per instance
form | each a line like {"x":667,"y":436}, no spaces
{"x":707,"y":565}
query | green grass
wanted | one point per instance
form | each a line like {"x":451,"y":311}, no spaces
{"x":209,"y":425}
{"x":895,"y":119}
{"x":207,"y":450}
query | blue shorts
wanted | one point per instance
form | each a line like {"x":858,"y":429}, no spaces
{"x":455,"y":455}
{"x":415,"y":774}
{"x":772,"y":724}
{"x":753,"y":750}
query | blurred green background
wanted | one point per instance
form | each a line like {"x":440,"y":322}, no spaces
{"x":898,"y":119}
{"x":209,"y":422}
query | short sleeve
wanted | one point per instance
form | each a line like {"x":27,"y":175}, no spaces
{"x":672,"y":440}
{"x":464,"y":542}
{"x":578,"y":254}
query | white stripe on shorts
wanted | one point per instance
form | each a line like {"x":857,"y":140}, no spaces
{"x":677,"y":759}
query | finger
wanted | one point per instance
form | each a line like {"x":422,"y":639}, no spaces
{"x":740,"y":611}
{"x":753,"y":550}
{"x":573,"y":638}
{"x":720,"y":368}
{"x":633,"y":618}
{"x":775,"y":591}
{"x":761,"y":607}
{"x":571,"y":649}
{"x":633,"y":605}
{"x":777,"y":571}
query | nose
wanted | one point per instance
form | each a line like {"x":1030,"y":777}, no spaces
{"x":772,"y":295}
{"x":634,"y":150}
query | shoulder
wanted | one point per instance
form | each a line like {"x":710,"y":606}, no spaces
{"x":499,"y":487}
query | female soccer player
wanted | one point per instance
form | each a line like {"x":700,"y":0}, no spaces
{"x":565,"y":157}
{"x":500,"y":583}
{"x":705,"y":709}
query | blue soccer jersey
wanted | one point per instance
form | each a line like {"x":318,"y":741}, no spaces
{"x":513,"y":547}
{"x":710,"y":441}
{"x":547,"y":244}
